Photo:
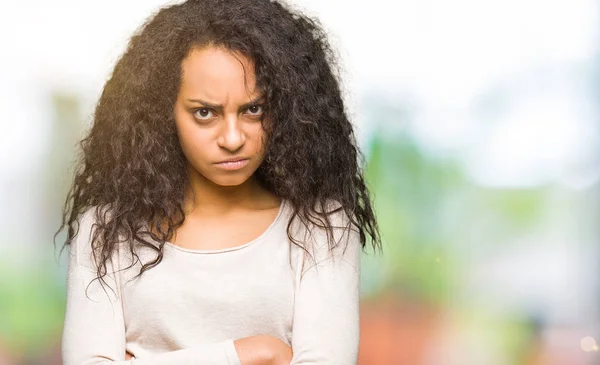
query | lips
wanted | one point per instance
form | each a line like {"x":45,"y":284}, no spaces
{"x":232,"y":164}
{"x":232,"y":160}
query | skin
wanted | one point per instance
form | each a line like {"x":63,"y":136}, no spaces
{"x":214,"y":123}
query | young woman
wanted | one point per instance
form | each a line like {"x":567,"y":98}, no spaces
{"x":218,"y":209}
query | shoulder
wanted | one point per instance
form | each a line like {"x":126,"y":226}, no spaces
{"x":89,"y":218}
{"x":81,"y":242}
{"x":330,"y":235}
{"x":86,"y":242}
{"x":87,"y":223}
{"x":334,"y":219}
{"x":337,"y":214}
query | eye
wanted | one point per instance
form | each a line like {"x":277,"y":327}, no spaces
{"x":203,"y":113}
{"x":255,"y":110}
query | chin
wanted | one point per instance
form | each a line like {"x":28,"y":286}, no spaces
{"x":230,"y":180}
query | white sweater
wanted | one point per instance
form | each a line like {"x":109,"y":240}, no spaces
{"x":192,"y":306}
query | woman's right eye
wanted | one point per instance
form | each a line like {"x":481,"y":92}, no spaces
{"x":202,"y":113}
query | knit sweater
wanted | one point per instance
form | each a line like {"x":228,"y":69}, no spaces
{"x":192,"y":306}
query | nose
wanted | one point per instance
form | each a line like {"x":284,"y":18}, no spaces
{"x":231,"y":136}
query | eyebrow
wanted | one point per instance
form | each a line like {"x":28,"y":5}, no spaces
{"x":220,"y":107}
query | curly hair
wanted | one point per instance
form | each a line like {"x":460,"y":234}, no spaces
{"x":130,"y":164}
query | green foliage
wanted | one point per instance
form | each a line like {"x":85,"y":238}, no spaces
{"x":429,"y":213}
{"x":32,"y":306}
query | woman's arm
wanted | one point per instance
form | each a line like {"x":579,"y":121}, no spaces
{"x":263,"y":350}
{"x":258,"y":350}
{"x":326,"y":314}
{"x":94,"y":327}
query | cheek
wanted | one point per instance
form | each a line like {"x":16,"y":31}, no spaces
{"x":192,"y":141}
{"x":259,"y":141}
{"x":194,"y":145}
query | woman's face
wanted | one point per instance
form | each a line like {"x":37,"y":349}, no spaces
{"x":218,"y":114}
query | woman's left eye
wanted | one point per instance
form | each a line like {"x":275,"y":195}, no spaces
{"x":255,"y":110}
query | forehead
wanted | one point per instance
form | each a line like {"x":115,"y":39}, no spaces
{"x":217,"y":71}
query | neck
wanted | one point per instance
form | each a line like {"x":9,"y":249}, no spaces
{"x":205,"y":197}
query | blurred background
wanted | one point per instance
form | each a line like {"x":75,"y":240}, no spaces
{"x":480,"y":126}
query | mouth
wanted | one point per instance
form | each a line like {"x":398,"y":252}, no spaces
{"x":233,"y":164}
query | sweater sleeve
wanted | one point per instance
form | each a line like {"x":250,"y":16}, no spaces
{"x":326,"y":309}
{"x":94,"y":327}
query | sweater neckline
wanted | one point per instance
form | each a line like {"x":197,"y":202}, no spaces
{"x":234,"y":248}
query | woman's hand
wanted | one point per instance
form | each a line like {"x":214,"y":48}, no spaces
{"x":263,"y":350}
